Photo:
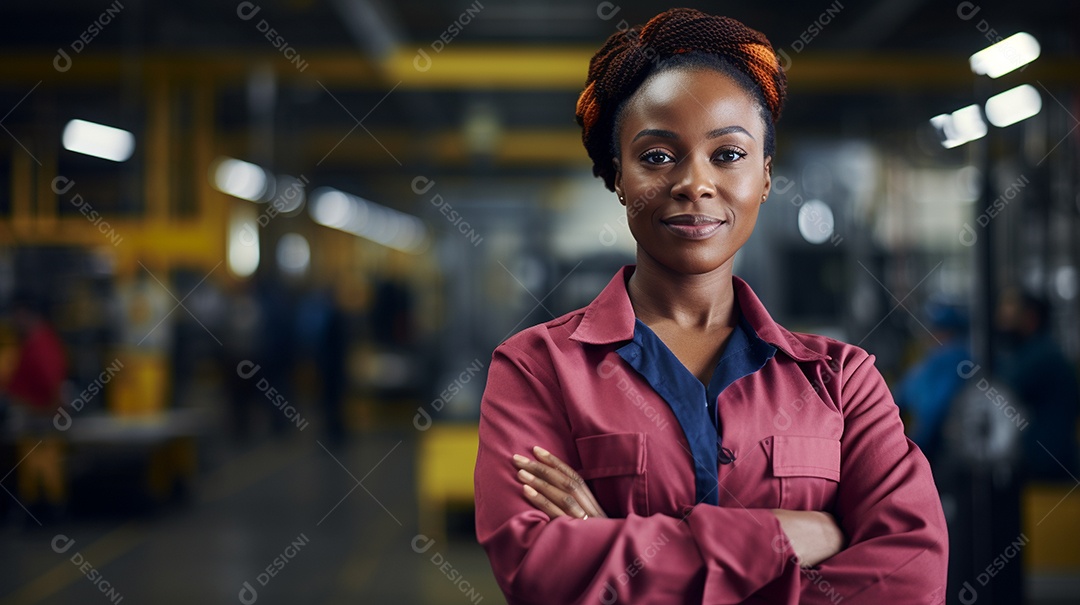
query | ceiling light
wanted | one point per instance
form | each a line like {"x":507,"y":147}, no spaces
{"x":961,"y":126}
{"x":366,"y":219}
{"x":98,"y":140}
{"x":1011,"y":53}
{"x":1013,"y":105}
{"x":240,"y":179}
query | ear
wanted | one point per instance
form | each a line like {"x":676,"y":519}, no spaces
{"x":768,"y":179}
{"x":618,"y":180}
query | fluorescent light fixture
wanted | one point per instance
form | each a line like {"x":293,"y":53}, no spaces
{"x":1013,"y":105}
{"x":816,"y":222}
{"x":366,"y":219}
{"x":1011,"y":53}
{"x":243,"y":241}
{"x":961,"y":126}
{"x":98,"y":140}
{"x":240,"y":179}
{"x":331,"y":208}
{"x":288,"y":194}
{"x":293,"y":254}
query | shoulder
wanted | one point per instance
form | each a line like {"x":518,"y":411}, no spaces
{"x":542,"y":342}
{"x":847,"y":370}
{"x":837,"y":352}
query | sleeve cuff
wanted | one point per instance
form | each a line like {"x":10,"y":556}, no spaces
{"x":743,"y":550}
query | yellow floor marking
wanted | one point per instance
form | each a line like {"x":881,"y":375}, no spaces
{"x":233,"y":477}
{"x":99,"y":554}
{"x":363,"y":562}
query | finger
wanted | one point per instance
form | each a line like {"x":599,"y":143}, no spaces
{"x":554,"y":461}
{"x":560,"y":498}
{"x":549,"y":480}
{"x":545,"y":471}
{"x":574,"y":484}
{"x":558,"y":472}
{"x":558,"y":488}
{"x":540,"y":502}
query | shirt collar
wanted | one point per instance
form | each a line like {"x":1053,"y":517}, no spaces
{"x":610,"y":319}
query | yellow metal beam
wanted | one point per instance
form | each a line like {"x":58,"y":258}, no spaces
{"x":490,"y":68}
{"x":548,"y":147}
{"x":462,"y":66}
{"x":157,"y":190}
{"x":128,"y":238}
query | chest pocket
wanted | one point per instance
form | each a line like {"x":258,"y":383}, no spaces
{"x":613,"y":465}
{"x":808,"y":470}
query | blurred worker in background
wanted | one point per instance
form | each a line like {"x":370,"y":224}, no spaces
{"x":242,"y":347}
{"x":322,"y":335}
{"x":42,"y":364}
{"x":1036,"y":369}
{"x":927,"y":391}
{"x":34,"y":390}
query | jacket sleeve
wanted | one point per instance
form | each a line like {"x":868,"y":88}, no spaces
{"x":887,"y":505}
{"x":712,"y":555}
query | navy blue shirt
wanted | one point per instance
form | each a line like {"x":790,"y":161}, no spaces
{"x":695,"y":406}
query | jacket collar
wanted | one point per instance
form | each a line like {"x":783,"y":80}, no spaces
{"x":610,"y":319}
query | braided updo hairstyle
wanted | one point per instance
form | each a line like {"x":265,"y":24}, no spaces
{"x":679,"y":37}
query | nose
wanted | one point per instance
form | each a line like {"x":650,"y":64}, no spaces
{"x":693,"y":179}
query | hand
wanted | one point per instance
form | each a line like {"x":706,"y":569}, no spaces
{"x":555,"y":488}
{"x":813,"y":536}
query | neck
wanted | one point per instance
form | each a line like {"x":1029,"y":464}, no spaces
{"x":702,"y":301}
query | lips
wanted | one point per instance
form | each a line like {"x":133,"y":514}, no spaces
{"x":693,"y":226}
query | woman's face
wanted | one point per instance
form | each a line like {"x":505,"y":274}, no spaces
{"x":691,"y":169}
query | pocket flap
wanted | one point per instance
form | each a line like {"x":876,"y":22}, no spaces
{"x":801,"y":456}
{"x":613,"y":454}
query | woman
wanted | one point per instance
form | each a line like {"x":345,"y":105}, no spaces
{"x":691,"y":450}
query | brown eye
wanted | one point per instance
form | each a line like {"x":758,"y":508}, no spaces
{"x":656,"y":157}
{"x":729,"y":155}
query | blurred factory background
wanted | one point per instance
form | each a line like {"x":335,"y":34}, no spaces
{"x":266,"y":248}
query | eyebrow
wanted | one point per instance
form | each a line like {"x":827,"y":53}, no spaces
{"x":712,"y":134}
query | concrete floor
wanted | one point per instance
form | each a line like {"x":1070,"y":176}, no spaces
{"x":340,"y":522}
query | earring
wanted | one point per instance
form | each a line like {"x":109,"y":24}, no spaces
{"x":763,"y":196}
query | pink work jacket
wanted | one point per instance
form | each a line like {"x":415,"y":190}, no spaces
{"x":814,"y":428}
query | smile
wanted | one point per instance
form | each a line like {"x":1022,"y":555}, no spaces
{"x":693,"y":226}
